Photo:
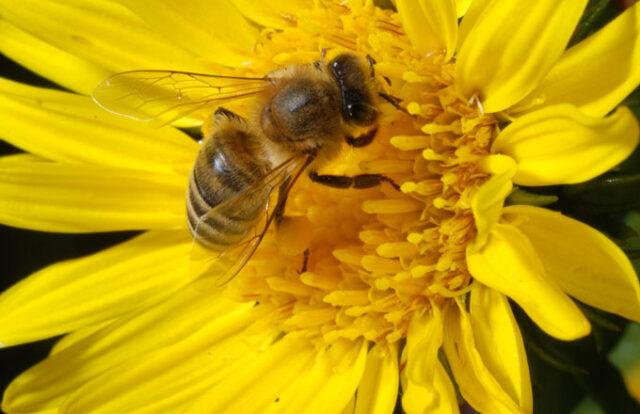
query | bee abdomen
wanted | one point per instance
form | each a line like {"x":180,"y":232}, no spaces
{"x":224,"y":202}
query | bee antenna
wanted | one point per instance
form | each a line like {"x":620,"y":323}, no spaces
{"x":393,"y":100}
{"x":372,"y":63}
{"x":372,"y":107}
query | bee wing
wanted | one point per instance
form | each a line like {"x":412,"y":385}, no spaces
{"x":225,"y":263}
{"x":160,"y":97}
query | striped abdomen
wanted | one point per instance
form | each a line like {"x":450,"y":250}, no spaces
{"x":222,"y":206}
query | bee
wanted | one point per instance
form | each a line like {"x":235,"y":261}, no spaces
{"x":246,"y":166}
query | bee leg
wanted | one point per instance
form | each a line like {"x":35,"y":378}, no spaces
{"x":305,"y":261}
{"x":278,"y":211}
{"x":361,"y":140}
{"x":227,"y":114}
{"x":372,"y":180}
{"x":372,"y":62}
{"x":335,"y":181}
{"x":359,"y":181}
{"x":392,"y":100}
{"x":372,"y":70}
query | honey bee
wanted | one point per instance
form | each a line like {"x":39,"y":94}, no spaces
{"x":303,"y":114}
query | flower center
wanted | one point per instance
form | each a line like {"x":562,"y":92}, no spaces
{"x":375,"y":256}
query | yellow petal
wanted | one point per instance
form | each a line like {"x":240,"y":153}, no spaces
{"x":599,"y":72}
{"x":81,"y":198}
{"x":476,"y":382}
{"x":325,"y":385}
{"x":95,"y":289}
{"x":192,"y":319}
{"x":561,"y":145}
{"x":474,"y":11}
{"x":432,"y":26}
{"x":424,"y":339}
{"x":77,"y":336}
{"x":103,"y":33}
{"x":378,"y":388}
{"x":439,"y":399}
{"x":48,"y":61}
{"x":237,"y":384}
{"x":511,"y":47}
{"x":21,"y":158}
{"x":212,"y":29}
{"x":509,"y":264}
{"x":66,"y":127}
{"x":461,"y":7}
{"x":348,"y":409}
{"x":171,"y":378}
{"x":258,"y":386}
{"x":339,"y":370}
{"x":427,"y":388}
{"x":585,"y":263}
{"x":495,"y":328}
{"x":632,"y":381}
{"x":274,"y":13}
{"x":487,"y":202}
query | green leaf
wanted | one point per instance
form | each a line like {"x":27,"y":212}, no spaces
{"x":631,"y":164}
{"x":612,"y":192}
{"x":627,"y":234}
{"x":588,"y":406}
{"x":633,"y":102}
{"x":601,"y":318}
{"x":596,"y":15}
{"x":627,"y":351}
{"x":521,"y":196}
{"x":633,"y":99}
{"x":564,"y":373}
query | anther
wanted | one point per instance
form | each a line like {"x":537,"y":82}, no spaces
{"x":475,"y":100}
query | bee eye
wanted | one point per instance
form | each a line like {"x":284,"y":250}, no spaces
{"x":356,"y":107}
{"x":351,"y":79}
{"x":353,"y":103}
{"x":336,"y":66}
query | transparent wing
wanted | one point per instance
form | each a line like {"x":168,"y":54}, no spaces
{"x":267,"y":197}
{"x":160,"y":97}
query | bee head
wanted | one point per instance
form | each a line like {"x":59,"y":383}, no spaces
{"x":357,"y":103}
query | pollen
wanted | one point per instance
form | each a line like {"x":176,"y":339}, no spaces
{"x":374,"y":257}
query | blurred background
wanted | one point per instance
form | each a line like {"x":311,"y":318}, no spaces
{"x":582,"y":377}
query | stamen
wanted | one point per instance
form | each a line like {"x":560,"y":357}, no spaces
{"x":377,"y":255}
{"x":475,"y":100}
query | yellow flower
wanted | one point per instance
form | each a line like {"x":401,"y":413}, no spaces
{"x":404,"y":287}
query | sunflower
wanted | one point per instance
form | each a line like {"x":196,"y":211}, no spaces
{"x":403,"y":289}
